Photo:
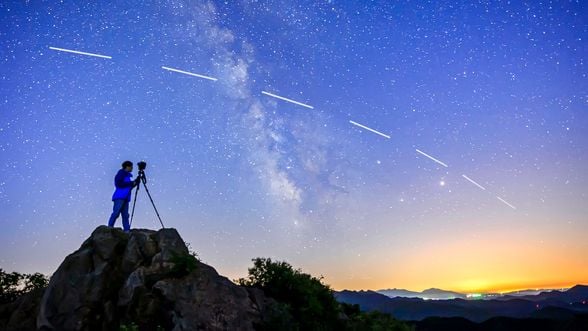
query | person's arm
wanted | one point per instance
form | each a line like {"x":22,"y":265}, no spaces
{"x":119,"y":180}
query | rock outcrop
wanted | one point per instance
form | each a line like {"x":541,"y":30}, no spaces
{"x":146,"y":279}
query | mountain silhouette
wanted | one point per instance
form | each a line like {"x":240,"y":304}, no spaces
{"x":432,"y":293}
{"x":569,"y":303}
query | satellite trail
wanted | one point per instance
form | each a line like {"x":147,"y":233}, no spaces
{"x":286,"y":99}
{"x":81,"y":53}
{"x":473,"y":182}
{"x":370,"y":129}
{"x":506,"y":203}
{"x":290,"y":101}
{"x":189,"y":73}
{"x":432,"y":158}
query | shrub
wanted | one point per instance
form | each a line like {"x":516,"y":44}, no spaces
{"x":373,"y":320}
{"x":305,"y":303}
{"x":132,"y":326}
{"x":14,"y":284}
{"x":184,"y":264}
{"x":310,"y":302}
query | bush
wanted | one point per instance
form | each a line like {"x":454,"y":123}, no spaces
{"x":373,"y":320}
{"x":305,"y":303}
{"x":310,"y":302}
{"x":184,"y":264}
{"x":14,"y":284}
{"x":129,"y":327}
{"x":134,"y":327}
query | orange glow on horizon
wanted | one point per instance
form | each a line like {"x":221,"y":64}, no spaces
{"x":489,"y":289}
{"x":521,"y":287}
{"x":493,"y":263}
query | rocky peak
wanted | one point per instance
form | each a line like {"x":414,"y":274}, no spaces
{"x":145,"y":278}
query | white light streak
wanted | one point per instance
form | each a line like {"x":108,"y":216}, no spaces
{"x":189,"y":73}
{"x":506,"y":203}
{"x":473,"y":182}
{"x":286,"y":99}
{"x":78,"y":52}
{"x":432,"y":158}
{"x":370,"y":129}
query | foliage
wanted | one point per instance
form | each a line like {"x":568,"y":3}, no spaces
{"x":184,"y":263}
{"x":374,"y":320}
{"x":191,"y":251}
{"x":134,"y":327}
{"x":305,"y":303}
{"x":277,"y":317}
{"x":311,"y":303}
{"x":14,"y":284}
{"x":129,"y":327}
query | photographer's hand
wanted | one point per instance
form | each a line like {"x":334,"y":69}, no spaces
{"x":137,"y":181}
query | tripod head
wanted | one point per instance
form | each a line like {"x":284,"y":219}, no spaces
{"x":142,"y":165}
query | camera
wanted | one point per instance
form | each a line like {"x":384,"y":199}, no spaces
{"x":142,"y":165}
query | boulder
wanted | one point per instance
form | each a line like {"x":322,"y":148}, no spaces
{"x":147,"y":279}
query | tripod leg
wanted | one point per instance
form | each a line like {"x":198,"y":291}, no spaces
{"x":134,"y":202}
{"x":153,"y":203}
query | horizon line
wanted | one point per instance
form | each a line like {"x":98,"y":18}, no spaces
{"x":567,"y":286}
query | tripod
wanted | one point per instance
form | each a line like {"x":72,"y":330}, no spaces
{"x":143,"y":179}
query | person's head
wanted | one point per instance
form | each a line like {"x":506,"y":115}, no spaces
{"x":127,"y":166}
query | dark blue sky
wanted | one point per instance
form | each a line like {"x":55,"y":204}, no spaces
{"x":495,"y":90}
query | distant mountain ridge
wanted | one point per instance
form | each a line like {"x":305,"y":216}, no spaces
{"x":440,"y":294}
{"x":429,"y":294}
{"x":555,"y":303}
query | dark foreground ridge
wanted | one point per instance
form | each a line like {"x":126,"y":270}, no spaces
{"x":149,"y":280}
{"x":146,"y":280}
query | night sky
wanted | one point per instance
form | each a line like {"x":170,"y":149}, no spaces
{"x":495,"y":92}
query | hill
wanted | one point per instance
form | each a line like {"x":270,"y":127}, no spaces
{"x":568,"y":303}
{"x":429,"y":294}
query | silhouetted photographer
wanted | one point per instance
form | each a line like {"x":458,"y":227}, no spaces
{"x":121,"y":197}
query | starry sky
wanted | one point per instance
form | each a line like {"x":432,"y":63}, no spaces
{"x":474,"y":178}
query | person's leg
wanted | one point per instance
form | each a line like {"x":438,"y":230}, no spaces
{"x":116,"y":209}
{"x":125,"y":216}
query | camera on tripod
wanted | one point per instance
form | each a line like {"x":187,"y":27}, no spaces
{"x":142,"y":165}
